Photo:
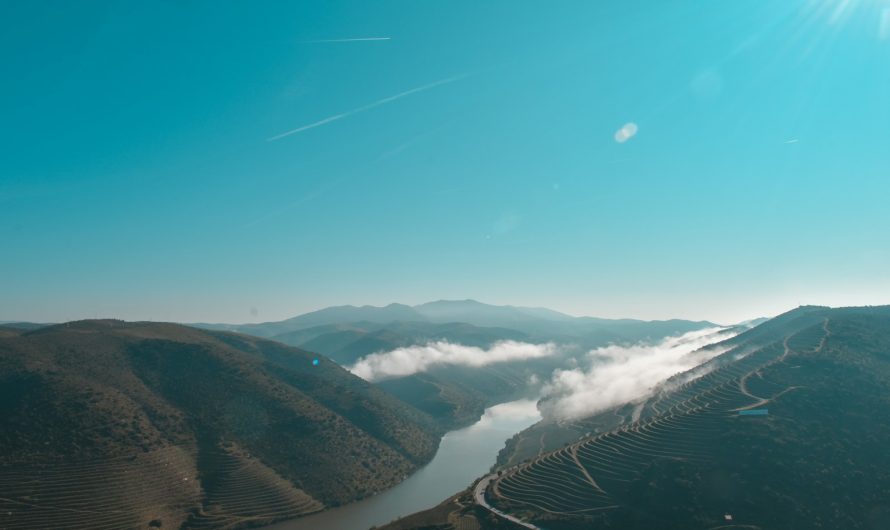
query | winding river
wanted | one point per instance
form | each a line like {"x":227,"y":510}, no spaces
{"x":464,"y":455}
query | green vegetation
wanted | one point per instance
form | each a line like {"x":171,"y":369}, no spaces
{"x":455,"y":513}
{"x":465,"y":321}
{"x":456,"y":396}
{"x":818,"y":460}
{"x":106,"y":424}
{"x":346,"y":343}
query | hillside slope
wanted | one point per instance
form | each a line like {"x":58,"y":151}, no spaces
{"x":106,"y":424}
{"x":786,"y":430}
{"x":346,"y":343}
{"x":456,"y":395}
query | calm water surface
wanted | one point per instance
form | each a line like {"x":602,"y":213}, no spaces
{"x":464,"y":455}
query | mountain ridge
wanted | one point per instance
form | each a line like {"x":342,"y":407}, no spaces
{"x":439,"y":311}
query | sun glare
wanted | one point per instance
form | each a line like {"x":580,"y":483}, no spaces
{"x":884,"y":30}
{"x":841,"y":12}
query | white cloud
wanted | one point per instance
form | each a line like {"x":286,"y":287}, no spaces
{"x":522,"y":410}
{"x":623,"y":374}
{"x":413,"y":359}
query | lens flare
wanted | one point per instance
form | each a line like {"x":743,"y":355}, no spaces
{"x":626,"y":133}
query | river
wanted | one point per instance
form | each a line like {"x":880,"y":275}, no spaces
{"x":463,"y":456}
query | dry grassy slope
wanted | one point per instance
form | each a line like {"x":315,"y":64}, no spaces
{"x":194,"y":420}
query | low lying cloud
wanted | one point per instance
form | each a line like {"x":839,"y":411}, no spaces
{"x":624,"y":374}
{"x":523,"y":410}
{"x":413,"y":359}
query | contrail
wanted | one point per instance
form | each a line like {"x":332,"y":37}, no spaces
{"x":355,"y":39}
{"x":369,"y":106}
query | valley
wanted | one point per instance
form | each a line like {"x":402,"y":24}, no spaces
{"x":461,"y":456}
{"x":402,"y":265}
{"x":110,"y":424}
{"x":454,"y":394}
{"x":695,"y":458}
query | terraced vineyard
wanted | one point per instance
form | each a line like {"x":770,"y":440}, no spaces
{"x":243,"y":490}
{"x":126,"y":492}
{"x":149,"y":489}
{"x":115,"y":425}
{"x":684,"y":427}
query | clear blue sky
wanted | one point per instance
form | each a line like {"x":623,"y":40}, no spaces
{"x":469,"y":150}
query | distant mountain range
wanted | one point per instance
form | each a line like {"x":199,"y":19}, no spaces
{"x":534,"y":322}
{"x":161,"y":425}
{"x":9,"y":329}
{"x":457,"y":395}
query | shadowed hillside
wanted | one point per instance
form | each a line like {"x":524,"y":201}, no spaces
{"x":107,"y":424}
{"x":785,"y":430}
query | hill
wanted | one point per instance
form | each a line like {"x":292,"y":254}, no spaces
{"x":486,"y":314}
{"x":107,"y":424}
{"x":346,"y":343}
{"x":457,"y":395}
{"x":786,"y":429}
{"x":328,"y":316}
{"x":9,"y":329}
{"x":539,"y":324}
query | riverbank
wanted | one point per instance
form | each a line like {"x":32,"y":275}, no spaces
{"x":463,"y":455}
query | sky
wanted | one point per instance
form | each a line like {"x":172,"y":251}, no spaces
{"x":249,"y":161}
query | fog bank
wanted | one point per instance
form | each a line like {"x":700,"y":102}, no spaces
{"x":413,"y":359}
{"x":621,"y":374}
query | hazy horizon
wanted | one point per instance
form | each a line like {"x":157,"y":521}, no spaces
{"x":258,"y":317}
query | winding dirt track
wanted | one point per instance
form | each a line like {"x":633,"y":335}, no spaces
{"x":547,"y":482}
{"x":479,"y":497}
